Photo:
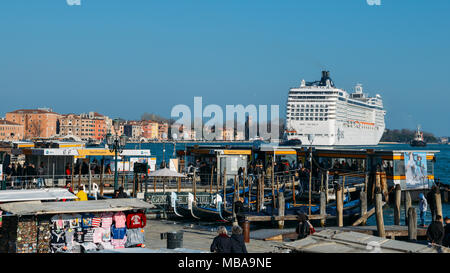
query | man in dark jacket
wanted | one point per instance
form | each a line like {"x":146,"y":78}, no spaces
{"x":302,"y":227}
{"x":221,"y":243}
{"x":237,"y":240}
{"x":435,"y":231}
{"x":447,"y":232}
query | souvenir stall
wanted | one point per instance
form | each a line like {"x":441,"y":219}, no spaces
{"x":72,"y":227}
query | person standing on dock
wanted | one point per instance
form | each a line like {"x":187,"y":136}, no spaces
{"x":435,"y":231}
{"x":81,"y":194}
{"x":423,"y":206}
{"x":222,"y":242}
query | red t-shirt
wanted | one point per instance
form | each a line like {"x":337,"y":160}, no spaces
{"x":136,"y":220}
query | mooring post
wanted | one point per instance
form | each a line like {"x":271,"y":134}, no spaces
{"x":323,"y":207}
{"x":437,"y":197}
{"x":398,"y":203}
{"x":281,"y":206}
{"x":363,"y":200}
{"x":339,"y":206}
{"x":379,"y":213}
{"x":326,"y":184}
{"x":445,"y":193}
{"x":293,"y":190}
{"x":246,"y":230}
{"x":412,"y":224}
{"x":224,"y":183}
{"x":234,"y":204}
{"x":258,"y":193}
{"x":408,"y":204}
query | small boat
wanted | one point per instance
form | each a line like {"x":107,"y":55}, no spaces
{"x":418,"y":140}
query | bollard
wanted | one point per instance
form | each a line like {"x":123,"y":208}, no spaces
{"x":438,"y":199}
{"x":412,"y":224}
{"x":174,"y":239}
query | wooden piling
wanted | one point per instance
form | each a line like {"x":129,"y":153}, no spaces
{"x":211,"y":180}
{"x":101,"y":175}
{"x":274,"y":203}
{"x":246,"y":230}
{"x":379,"y":213}
{"x":293,"y":190}
{"x":398,"y":202}
{"x":323,"y":207}
{"x":363,"y":200}
{"x":224,"y":182}
{"x":281,"y":207}
{"x":408,"y":204}
{"x":258,"y":193}
{"x":445,"y":195}
{"x":412,"y":224}
{"x":339,"y":206}
{"x":438,"y":200}
{"x":326,"y":184}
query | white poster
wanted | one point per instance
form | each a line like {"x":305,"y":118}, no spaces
{"x":416,"y":170}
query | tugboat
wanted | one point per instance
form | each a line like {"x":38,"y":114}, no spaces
{"x":418,"y":140}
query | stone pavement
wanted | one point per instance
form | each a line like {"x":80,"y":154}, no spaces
{"x":194,"y":237}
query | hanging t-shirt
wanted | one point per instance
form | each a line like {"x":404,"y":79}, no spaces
{"x":88,"y":235}
{"x":136,"y":220}
{"x":119,"y":219}
{"x":106,"y":219}
{"x":106,"y":234}
{"x":75,"y":221}
{"x":135,"y":237}
{"x":98,"y":235}
{"x":57,"y":241}
{"x":87,"y":220}
{"x":96,"y":220}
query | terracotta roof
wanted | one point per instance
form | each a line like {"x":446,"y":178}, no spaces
{"x":32,"y":111}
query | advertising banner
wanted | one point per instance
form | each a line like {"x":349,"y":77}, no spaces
{"x":416,"y":170}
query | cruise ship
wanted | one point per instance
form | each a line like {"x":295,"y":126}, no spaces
{"x":318,"y":113}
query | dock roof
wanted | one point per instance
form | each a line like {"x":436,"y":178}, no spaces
{"x":107,"y":205}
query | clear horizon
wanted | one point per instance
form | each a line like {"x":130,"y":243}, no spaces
{"x":123,"y":59}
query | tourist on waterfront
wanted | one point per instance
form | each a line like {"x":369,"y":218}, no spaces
{"x":237,"y":240}
{"x":435,"y":231}
{"x":446,"y":242}
{"x":69,"y":187}
{"x":81,"y":194}
{"x":68,"y":171}
{"x":120,"y":193}
{"x":40,"y":172}
{"x":222,"y":242}
{"x":423,"y":206}
{"x":303,"y":227}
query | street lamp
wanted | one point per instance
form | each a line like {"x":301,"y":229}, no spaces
{"x":116,"y":144}
{"x":311,"y":140}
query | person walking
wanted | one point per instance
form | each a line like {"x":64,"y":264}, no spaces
{"x":423,"y":206}
{"x":237,"y":240}
{"x":222,"y":242}
{"x":435,"y":231}
{"x":81,"y":194}
{"x":303,"y":227}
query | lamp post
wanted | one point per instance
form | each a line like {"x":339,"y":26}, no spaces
{"x":116,"y":144}
{"x":311,"y":140}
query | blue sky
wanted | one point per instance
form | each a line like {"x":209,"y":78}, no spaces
{"x":124,"y":58}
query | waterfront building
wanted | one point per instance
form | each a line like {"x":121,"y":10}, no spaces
{"x":37,"y":123}
{"x":10,"y":131}
{"x":150,"y":129}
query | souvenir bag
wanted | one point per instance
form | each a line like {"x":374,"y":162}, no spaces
{"x":136,"y":220}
